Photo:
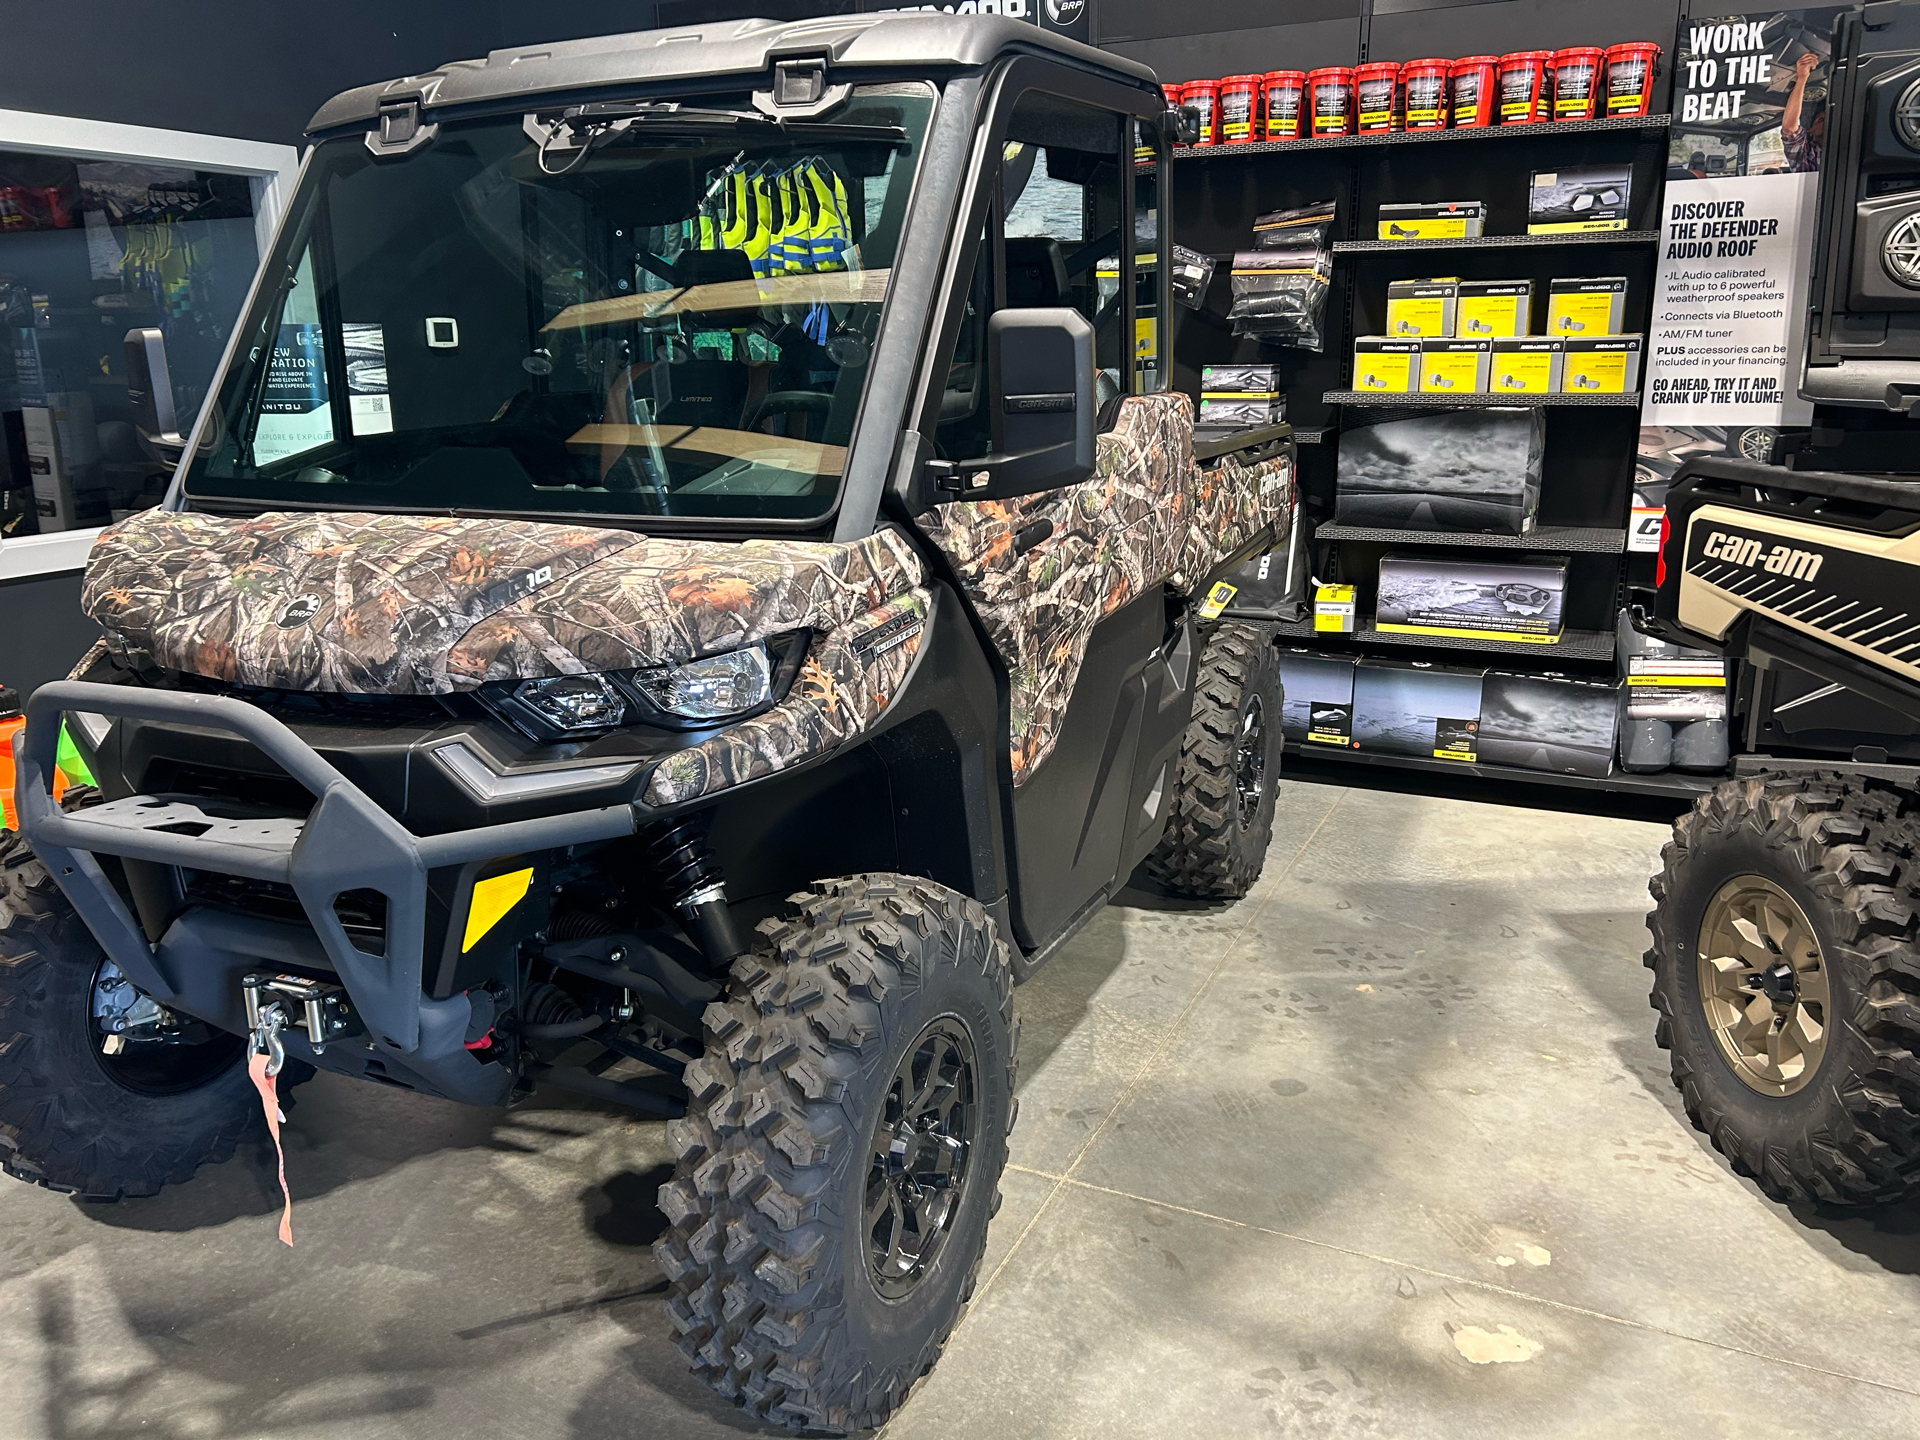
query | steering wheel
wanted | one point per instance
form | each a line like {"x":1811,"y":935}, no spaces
{"x":786,"y":402}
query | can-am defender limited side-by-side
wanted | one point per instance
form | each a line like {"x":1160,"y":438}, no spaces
{"x":1786,"y":928}
{"x":683,"y":594}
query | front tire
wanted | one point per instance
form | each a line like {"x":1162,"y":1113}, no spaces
{"x":77,"y":1114}
{"x":837,"y":1166}
{"x":1788,"y":985}
{"x":1224,"y":783}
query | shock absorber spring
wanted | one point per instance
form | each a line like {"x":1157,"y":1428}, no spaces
{"x":685,"y":870}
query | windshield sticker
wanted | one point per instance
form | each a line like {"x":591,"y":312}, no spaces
{"x":294,"y":414}
{"x":369,"y":406}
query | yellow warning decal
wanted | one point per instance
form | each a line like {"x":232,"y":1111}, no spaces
{"x":492,"y":899}
{"x":1217,"y":599}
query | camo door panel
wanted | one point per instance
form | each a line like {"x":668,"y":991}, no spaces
{"x":1103,"y":542}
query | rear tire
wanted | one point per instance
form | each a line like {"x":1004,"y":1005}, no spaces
{"x":1221,"y":815}
{"x":1809,"y":1083}
{"x":795,"y":1291}
{"x":73,"y":1118}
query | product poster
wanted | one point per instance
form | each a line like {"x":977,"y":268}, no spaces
{"x":369,"y":406}
{"x":294,"y":413}
{"x":1730,"y":296}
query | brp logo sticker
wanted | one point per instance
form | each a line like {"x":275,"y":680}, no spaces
{"x":1065,"y":12}
{"x":299,"y":611}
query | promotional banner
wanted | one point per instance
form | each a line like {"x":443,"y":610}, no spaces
{"x":1730,"y":297}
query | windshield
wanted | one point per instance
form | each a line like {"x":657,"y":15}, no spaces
{"x":648,"y":311}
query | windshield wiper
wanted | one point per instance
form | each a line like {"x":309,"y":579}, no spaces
{"x":579,"y":130}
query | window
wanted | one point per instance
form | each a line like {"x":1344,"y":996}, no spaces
{"x":655,"y":314}
{"x":1056,"y":217}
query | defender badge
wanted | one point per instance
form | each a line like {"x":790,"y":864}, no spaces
{"x":299,"y":611}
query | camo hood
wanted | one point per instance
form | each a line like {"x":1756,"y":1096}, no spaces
{"x":412,"y":605}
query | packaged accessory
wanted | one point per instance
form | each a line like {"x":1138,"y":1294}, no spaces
{"x":1526,"y":87}
{"x":1601,"y":364}
{"x":1376,"y":92}
{"x":1285,"y":96}
{"x":1239,"y":108}
{"x":1422,"y":307}
{"x":1240,"y":397}
{"x":1280,"y":295}
{"x":1579,"y":198}
{"x":1494,"y":308}
{"x":1470,"y":90}
{"x":1423,"y":87}
{"x":1475,"y":599}
{"x":1527,"y":365}
{"x":1466,"y":470}
{"x":1330,"y":100}
{"x":1593,"y":305}
{"x":1386,"y":364}
{"x":1204,"y":96}
{"x":1316,"y":698}
{"x":1577,"y":82}
{"x":1414,"y":708}
{"x":1192,"y":273}
{"x":1454,"y":367}
{"x":1548,"y":722}
{"x":1302,"y":225}
{"x":1333,"y":609}
{"x":1673,"y":705}
{"x":1433,"y":220}
{"x":1631,"y":69}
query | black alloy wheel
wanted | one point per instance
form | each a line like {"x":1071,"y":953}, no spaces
{"x":168,"y":1057}
{"x":1250,"y":759}
{"x":918,"y":1168}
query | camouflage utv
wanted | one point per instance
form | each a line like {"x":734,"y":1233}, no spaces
{"x":686,"y":592}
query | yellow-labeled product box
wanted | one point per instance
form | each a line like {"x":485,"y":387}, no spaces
{"x":1454,"y":367}
{"x":1436,"y":220}
{"x":1421,"y":307}
{"x":1601,"y":365}
{"x":1333,"y":609}
{"x":1493,"y":308}
{"x":1386,"y":363}
{"x":1527,"y":365}
{"x":1594,"y":305}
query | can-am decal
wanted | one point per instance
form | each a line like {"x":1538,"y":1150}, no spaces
{"x":1861,"y":600}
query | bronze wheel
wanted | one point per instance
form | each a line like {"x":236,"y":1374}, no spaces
{"x":1763,"y":984}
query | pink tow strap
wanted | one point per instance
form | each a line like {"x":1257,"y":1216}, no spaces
{"x":270,"y":1103}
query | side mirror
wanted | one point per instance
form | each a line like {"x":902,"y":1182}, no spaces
{"x":1043,"y":408}
{"x":150,"y":393}
{"x":1181,"y":124}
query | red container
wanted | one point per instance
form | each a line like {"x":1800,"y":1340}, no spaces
{"x":1526,"y":87}
{"x":1204,"y":96}
{"x":1423,"y":86}
{"x":1376,"y":98}
{"x":1630,"y":71}
{"x":1471,"y":83}
{"x":1579,"y":76}
{"x":1330,"y":100}
{"x":1285,"y":101}
{"x":1239,"y":109}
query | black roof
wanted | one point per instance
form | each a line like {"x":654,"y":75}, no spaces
{"x":897,"y":42}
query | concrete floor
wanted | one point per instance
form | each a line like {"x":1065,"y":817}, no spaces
{"x":1383,"y":1150}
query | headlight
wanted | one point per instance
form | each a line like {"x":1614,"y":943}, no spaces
{"x":710,"y":689}
{"x":573,"y":704}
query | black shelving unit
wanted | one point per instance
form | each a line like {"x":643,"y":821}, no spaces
{"x":1667,"y":783}
{"x":1496,"y":242}
{"x":1590,"y":439}
{"x":1554,"y":539}
{"x":1611,"y":125}
{"x":1430,"y":400}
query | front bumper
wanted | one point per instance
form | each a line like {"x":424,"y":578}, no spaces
{"x":345,"y":843}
